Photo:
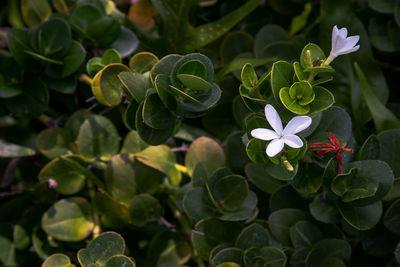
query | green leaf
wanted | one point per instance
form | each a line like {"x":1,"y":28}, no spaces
{"x":155,"y":114}
{"x":256,"y":151}
{"x":69,"y":180}
{"x":364,"y":217}
{"x":194,"y":82}
{"x":351,"y":186}
{"x":227,"y":255}
{"x":163,"y":159}
{"x":391,"y":219}
{"x":322,"y":101}
{"x":129,"y":115}
{"x":8,"y":88}
{"x":120,"y":260}
{"x":35,"y":12}
{"x":335,"y":120}
{"x":103,"y":247}
{"x":230,"y":192}
{"x":144,"y":209}
{"x":329,"y":252}
{"x":370,"y":149}
{"x":260,"y":178}
{"x":291,"y":104}
{"x":106,"y":85}
{"x":383,"y":118}
{"x":217,"y":231}
{"x":68,"y":219}
{"x":193,"y":67}
{"x":367,"y":171}
{"x":253,"y":235}
{"x":267,"y":35}
{"x":75,"y":121}
{"x":165,"y":65}
{"x":57,"y":260}
{"x":197,"y":204}
{"x":244,"y":42}
{"x":135,"y":85}
{"x":83,"y":15}
{"x":207,"y":33}
{"x":281,"y":76}
{"x":305,"y":234}
{"x":32,"y":102}
{"x":281,"y":221}
{"x":382,"y":6}
{"x":8,"y":150}
{"x":52,"y":142}
{"x":133,"y":143}
{"x":280,"y":172}
{"x":265,"y":256}
{"x":286,"y":197}
{"x":120,"y":177}
{"x":126,"y":42}
{"x":150,"y":135}
{"x":247,"y":211}
{"x":18,"y":43}
{"x":238,"y":64}
{"x":389,"y":141}
{"x":65,"y":86}
{"x":7,"y":252}
{"x":116,"y":214}
{"x":52,"y":39}
{"x":249,"y":76}
{"x":21,"y":236}
{"x":324,"y":211}
{"x":206,"y":150}
{"x":143,"y":62}
{"x":310,"y":55}
{"x":97,"y":138}
{"x":308,"y":179}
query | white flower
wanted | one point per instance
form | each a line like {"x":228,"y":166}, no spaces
{"x":341,"y":44}
{"x":281,"y":136}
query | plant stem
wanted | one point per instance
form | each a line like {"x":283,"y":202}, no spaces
{"x":182,"y":169}
{"x":86,"y":79}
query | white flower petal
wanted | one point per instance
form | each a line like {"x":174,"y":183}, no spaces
{"x":296,"y":125}
{"x":351,"y":41}
{"x":275,"y":147}
{"x":353,"y":49}
{"x":264,"y":134}
{"x":273,"y":118}
{"x":293,"y":141}
{"x":335,"y":33}
{"x":343,"y":32}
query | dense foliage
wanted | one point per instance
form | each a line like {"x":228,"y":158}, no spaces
{"x":199,"y":133}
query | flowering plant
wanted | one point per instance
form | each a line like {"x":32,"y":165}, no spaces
{"x":161,"y":133}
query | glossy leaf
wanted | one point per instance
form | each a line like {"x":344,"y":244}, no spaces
{"x":144,"y":209}
{"x":97,"y":138}
{"x":230,"y":192}
{"x":364,"y":217}
{"x":52,"y":142}
{"x":68,"y":219}
{"x":107,"y":87}
{"x":69,"y":180}
{"x":8,"y":150}
{"x":282,"y":220}
{"x":206,"y":150}
{"x":57,"y":260}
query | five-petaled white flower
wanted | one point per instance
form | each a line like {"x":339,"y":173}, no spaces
{"x":281,"y":136}
{"x":341,"y":44}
